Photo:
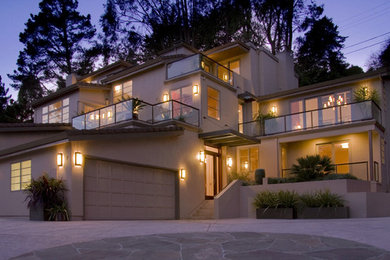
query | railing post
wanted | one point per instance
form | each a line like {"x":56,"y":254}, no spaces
{"x":285,"y":124}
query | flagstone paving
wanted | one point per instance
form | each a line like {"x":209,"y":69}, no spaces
{"x":213,"y":245}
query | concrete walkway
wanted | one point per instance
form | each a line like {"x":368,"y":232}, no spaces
{"x":209,"y":239}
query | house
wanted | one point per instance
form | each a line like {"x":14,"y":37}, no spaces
{"x":158,"y":140}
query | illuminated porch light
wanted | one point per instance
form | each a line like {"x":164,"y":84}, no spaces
{"x":274,"y":109}
{"x":165,"y":97}
{"x":229,"y":162}
{"x":201,"y":156}
{"x":225,"y":77}
{"x":78,"y":159}
{"x":345,"y":145}
{"x":60,"y":160}
{"x":109,"y":115}
{"x":195,"y":89}
{"x":365,"y":90}
{"x":182,"y":174}
{"x":202,"y":64}
{"x":246,"y":165}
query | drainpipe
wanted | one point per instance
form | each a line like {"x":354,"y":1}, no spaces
{"x":371,"y":156}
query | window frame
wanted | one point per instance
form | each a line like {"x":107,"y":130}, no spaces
{"x":22,"y":184}
{"x":250,"y":163}
{"x":122,"y":95}
{"x":218,"y":101}
{"x":47,"y":111}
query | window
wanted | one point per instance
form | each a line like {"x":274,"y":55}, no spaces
{"x":249,"y":159}
{"x":57,"y":112}
{"x":183,"y":95}
{"x":338,"y":152}
{"x":122,"y":91}
{"x":20,"y":175}
{"x":233,"y":66}
{"x":213,"y":103}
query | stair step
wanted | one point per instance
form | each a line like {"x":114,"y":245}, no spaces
{"x":205,"y":211}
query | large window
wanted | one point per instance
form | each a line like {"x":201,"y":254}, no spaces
{"x":338,"y":152}
{"x":20,"y":175}
{"x":122,"y":91}
{"x":249,"y":159}
{"x":233,"y":66}
{"x":183,"y":95}
{"x":57,"y":112}
{"x":213,"y":103}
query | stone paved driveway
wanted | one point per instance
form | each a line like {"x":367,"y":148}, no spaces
{"x":213,"y":246}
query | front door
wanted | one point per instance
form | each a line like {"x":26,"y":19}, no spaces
{"x":212,"y":182}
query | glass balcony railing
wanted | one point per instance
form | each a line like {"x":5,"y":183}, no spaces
{"x":313,"y":119}
{"x":134,"y":109}
{"x":199,"y":62}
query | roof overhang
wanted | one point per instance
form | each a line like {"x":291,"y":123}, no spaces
{"x":227,"y":137}
{"x":228,"y":50}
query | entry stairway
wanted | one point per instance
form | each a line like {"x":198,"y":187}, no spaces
{"x":205,"y":211}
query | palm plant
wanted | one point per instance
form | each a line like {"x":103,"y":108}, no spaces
{"x":312,"y":167}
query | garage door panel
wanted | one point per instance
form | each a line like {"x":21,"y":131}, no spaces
{"x":118,"y":191}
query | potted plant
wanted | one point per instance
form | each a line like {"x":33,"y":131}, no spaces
{"x":43,"y":195}
{"x":137,"y":106}
{"x":323,"y":205}
{"x":279,"y":205}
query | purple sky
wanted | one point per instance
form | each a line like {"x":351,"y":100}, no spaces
{"x":359,"y":20}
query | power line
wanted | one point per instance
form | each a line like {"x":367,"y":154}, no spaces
{"x":358,"y":43}
{"x":366,"y":19}
{"x":365,"y":47}
{"x":363,"y":12}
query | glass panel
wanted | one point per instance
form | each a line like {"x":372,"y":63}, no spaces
{"x":124,"y":111}
{"x":15,"y":173}
{"x":107,"y":115}
{"x":244,"y":160}
{"x":45,"y":110}
{"x":79,"y":122}
{"x":92,"y":120}
{"x":117,"y":93}
{"x":128,"y":89}
{"x":26,"y":164}
{"x":55,"y":116}
{"x":186,"y":95}
{"x":274,"y":125}
{"x":183,"y":66}
{"x":213,"y":103}
{"x":45,"y":119}
{"x":235,"y":66}
{"x":55,"y":106}
{"x":15,"y":166}
{"x":65,"y":102}
{"x":295,"y":122}
{"x":312,"y":116}
{"x":240,"y":119}
{"x":15,"y":187}
{"x":162,"y":111}
{"x":341,"y":156}
{"x":254,"y":158}
{"x":15,"y":180}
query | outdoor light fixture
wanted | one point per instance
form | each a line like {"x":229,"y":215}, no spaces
{"x":117,"y":88}
{"x":78,"y":159}
{"x":229,"y":161}
{"x":345,"y":145}
{"x":365,"y":90}
{"x":274,"y":109}
{"x":202,"y":64}
{"x":201,"y":157}
{"x":109,"y":114}
{"x":195,"y":89}
{"x":225,"y":77}
{"x":60,"y":159}
{"x":182,"y":174}
{"x":165,"y":97}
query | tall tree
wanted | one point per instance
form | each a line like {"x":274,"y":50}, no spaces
{"x":53,"y":42}
{"x":4,"y":98}
{"x":319,"y":55}
{"x":382,"y":58}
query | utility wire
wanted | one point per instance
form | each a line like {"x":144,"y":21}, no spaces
{"x":364,"y":13}
{"x":366,"y":19}
{"x":365,"y":47}
{"x":358,"y":43}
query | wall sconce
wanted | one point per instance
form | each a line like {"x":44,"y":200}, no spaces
{"x":60,"y":159}
{"x":195,"y":89}
{"x":109,"y":114}
{"x":365,"y":90}
{"x":165,"y":97}
{"x":78,"y":159}
{"x":274,"y":109}
{"x":229,"y":162}
{"x":201,"y":156}
{"x":182,"y":174}
{"x":117,"y":88}
{"x":225,"y":77}
{"x":345,"y":145}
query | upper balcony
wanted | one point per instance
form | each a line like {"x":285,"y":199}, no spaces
{"x":199,"y":62}
{"x":329,"y":116}
{"x":135,"y":109}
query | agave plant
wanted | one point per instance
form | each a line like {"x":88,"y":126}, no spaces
{"x":312,"y":167}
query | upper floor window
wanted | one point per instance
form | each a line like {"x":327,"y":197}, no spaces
{"x":183,"y":95}
{"x":213,"y":103}
{"x":57,"y":112}
{"x":122,"y":91}
{"x":20,"y":175}
{"x":233,"y":65}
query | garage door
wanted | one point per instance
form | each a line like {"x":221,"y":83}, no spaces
{"x":122,"y":191}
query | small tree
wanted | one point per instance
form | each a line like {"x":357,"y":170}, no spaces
{"x":312,"y":167}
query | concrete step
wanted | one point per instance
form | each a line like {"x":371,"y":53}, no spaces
{"x":205,"y":211}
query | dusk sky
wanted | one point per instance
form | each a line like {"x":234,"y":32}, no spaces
{"x":359,"y":20}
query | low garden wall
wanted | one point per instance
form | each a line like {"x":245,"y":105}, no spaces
{"x":361,"y":196}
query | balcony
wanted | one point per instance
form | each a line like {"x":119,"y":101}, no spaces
{"x":134,"y":109}
{"x":199,"y":62}
{"x":336,"y":115}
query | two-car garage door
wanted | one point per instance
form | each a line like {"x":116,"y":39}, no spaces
{"x":122,"y":191}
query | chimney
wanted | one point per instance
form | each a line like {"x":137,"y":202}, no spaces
{"x":71,"y":79}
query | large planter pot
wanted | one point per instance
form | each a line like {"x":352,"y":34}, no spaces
{"x":37,"y":212}
{"x":278,"y":213}
{"x":324,"y":213}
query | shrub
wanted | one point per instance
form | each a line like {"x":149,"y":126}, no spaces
{"x":323,"y":199}
{"x":362,"y":94}
{"x":48,"y":192}
{"x":312,"y":167}
{"x":242,"y":176}
{"x":280,"y":199}
{"x":281,"y":180}
{"x":338,"y":177}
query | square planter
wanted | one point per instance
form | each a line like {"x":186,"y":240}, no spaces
{"x":278,"y":213}
{"x":324,"y":213}
{"x":37,"y":212}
